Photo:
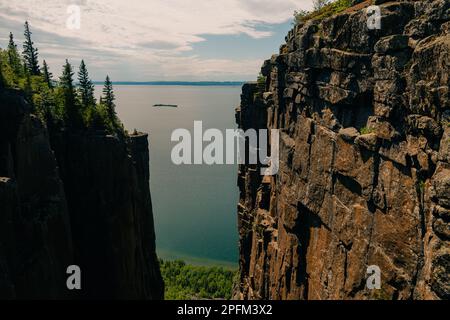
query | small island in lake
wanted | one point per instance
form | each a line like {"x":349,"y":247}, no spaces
{"x":165,"y":105}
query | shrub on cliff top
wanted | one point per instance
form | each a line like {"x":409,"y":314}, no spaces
{"x":322,"y":9}
{"x":261,"y":83}
{"x":319,"y":4}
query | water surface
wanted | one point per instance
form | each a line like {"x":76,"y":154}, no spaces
{"x":194,"y":206}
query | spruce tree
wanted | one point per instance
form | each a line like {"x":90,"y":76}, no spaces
{"x":71,"y":112}
{"x":12,"y":48}
{"x":47,"y":106}
{"x":48,"y":76}
{"x":30,"y":53}
{"x":13,"y":56}
{"x":109,"y":98}
{"x":86,"y":87}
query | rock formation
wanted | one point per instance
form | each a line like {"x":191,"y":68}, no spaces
{"x":364,"y":120}
{"x":80,"y":199}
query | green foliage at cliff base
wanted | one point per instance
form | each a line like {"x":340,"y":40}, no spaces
{"x":187,"y":282}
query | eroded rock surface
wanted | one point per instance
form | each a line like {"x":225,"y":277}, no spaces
{"x":364,"y":173}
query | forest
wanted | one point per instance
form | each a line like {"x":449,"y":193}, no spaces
{"x":187,"y":282}
{"x":62,"y":103}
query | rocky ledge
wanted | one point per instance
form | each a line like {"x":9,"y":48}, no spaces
{"x":364,"y":173}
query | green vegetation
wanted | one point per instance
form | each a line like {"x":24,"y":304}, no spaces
{"x":30,"y":53}
{"x":109,"y":98}
{"x":186,"y":282}
{"x":48,"y":76}
{"x":322,"y":9}
{"x":421,"y":186}
{"x":365,"y":130}
{"x":261,"y":83}
{"x":261,"y":86}
{"x":86,"y":88}
{"x":60,"y":104}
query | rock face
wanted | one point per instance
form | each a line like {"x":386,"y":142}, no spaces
{"x":81,"y":199}
{"x":364,"y":120}
{"x":35,"y":235}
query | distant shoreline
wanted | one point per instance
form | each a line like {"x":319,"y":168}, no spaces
{"x":176,"y":83}
{"x":196,"y":261}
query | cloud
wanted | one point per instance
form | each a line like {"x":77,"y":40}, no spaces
{"x":149,"y":32}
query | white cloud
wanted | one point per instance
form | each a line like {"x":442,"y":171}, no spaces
{"x":149,"y":31}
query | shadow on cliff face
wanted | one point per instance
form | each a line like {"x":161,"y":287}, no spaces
{"x":35,"y":240}
{"x":305,"y":223}
{"x":90,"y":206}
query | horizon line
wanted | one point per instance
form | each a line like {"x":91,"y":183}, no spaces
{"x":181,"y":83}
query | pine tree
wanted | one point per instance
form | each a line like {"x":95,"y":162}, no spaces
{"x":86,"y":87}
{"x":13,"y":56}
{"x":48,"y":76}
{"x":12,"y":48}
{"x":109,"y":98}
{"x":30,"y":53}
{"x":71,"y":112}
{"x":47,"y":107}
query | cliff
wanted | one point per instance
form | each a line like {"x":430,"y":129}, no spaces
{"x":80,"y":199}
{"x":364,"y":120}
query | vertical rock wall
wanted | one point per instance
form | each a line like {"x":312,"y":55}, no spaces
{"x":35,"y":236}
{"x":106,"y":180}
{"x":364,"y":173}
{"x":81,"y":199}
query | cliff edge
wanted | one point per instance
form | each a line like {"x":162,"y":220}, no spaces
{"x":73,"y":199}
{"x":364,"y":120}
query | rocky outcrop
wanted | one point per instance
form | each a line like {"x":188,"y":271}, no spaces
{"x":364,"y":120}
{"x":82,"y":199}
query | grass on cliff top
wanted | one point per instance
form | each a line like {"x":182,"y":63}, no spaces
{"x":327,"y":11}
{"x":187,"y":282}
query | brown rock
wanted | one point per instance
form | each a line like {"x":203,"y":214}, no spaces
{"x":342,"y":200}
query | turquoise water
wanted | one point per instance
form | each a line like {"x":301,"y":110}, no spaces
{"x":194,"y":206}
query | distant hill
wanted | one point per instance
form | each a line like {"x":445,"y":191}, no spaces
{"x":176,"y":83}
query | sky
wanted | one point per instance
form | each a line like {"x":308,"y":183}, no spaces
{"x":154,"y":40}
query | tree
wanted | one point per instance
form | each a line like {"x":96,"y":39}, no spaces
{"x":109,"y":98}
{"x":13,"y":56}
{"x":2,"y":81}
{"x":71,"y":112}
{"x":30,"y":53}
{"x":319,"y":4}
{"x":28,"y":89}
{"x":299,"y":16}
{"x":48,"y":76}
{"x":86,"y":87}
{"x":46,"y":106}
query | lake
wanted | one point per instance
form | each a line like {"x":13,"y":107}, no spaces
{"x":194,"y":206}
